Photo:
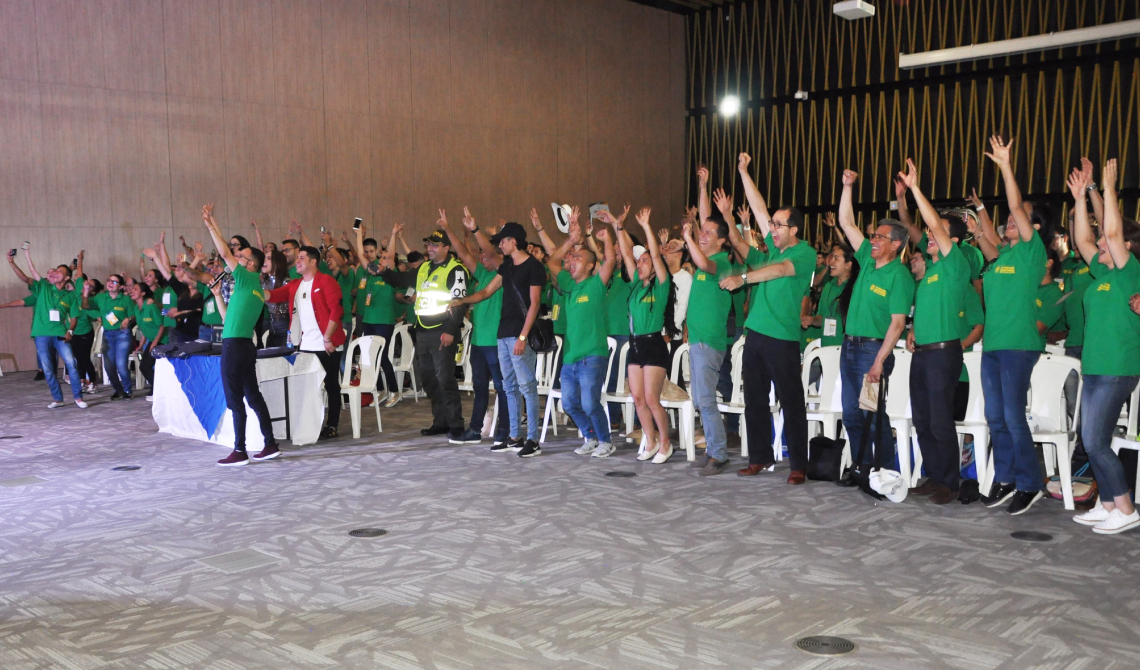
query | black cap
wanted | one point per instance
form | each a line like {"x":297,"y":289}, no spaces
{"x":511,"y":229}
{"x":438,"y":237}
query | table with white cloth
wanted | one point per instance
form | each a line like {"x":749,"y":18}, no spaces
{"x":189,"y":401}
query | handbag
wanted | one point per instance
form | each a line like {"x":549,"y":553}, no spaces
{"x":824,"y":458}
{"x":879,"y":482}
{"x":541,"y":336}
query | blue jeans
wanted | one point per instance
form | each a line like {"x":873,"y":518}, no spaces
{"x":855,"y":361}
{"x":1005,"y":385}
{"x":118,"y":350}
{"x":47,"y":348}
{"x":704,"y":370}
{"x":520,"y":383}
{"x":484,"y":369}
{"x":582,"y":396}
{"x":1101,"y":400}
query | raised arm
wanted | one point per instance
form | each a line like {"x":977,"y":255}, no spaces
{"x":1113,"y":225}
{"x":755,"y":200}
{"x":699,"y":258}
{"x":257,"y":234}
{"x":724,"y":204}
{"x":933,"y":221}
{"x":625,"y":245}
{"x":19,"y":273}
{"x":703,"y":207}
{"x":219,"y":304}
{"x":999,"y":154}
{"x":659,"y":267}
{"x":298,"y":232}
{"x":31,"y":266}
{"x":482,"y":240}
{"x":162,"y":255}
{"x":745,"y":216}
{"x":461,"y":248}
{"x":1082,"y":234}
{"x":554,"y":260}
{"x":847,"y":211}
{"x":79,"y":264}
{"x":904,"y":214}
{"x":547,"y":243}
{"x":984,"y":220}
{"x":216,"y":235}
{"x":606,"y":268}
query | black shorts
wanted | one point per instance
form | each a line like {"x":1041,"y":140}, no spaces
{"x":649,"y":351}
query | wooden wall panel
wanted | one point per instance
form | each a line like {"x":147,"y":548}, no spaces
{"x":133,"y":58}
{"x":120,"y":118}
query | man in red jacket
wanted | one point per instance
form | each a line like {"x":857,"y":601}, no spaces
{"x":315,"y":312}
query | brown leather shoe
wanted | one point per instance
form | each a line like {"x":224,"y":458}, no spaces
{"x":943,"y":496}
{"x":796,"y":477}
{"x":926,"y":488}
{"x":753,"y":469}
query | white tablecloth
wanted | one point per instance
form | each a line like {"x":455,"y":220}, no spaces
{"x":172,"y":411}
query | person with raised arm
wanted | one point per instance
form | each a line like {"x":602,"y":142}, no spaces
{"x":1110,"y":360}
{"x":435,"y":284}
{"x":881,"y":298}
{"x":118,"y":313}
{"x":585,"y":351}
{"x":152,"y":326}
{"x":557,"y":300}
{"x":935,"y":341}
{"x":239,"y":355}
{"x":782,"y":275}
{"x":1012,"y":345}
{"x":376,"y":306}
{"x":55,"y":312}
{"x":649,"y":360}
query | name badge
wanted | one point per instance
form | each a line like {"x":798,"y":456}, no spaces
{"x":112,"y":319}
{"x":368,"y":300}
{"x":363,"y":282}
{"x":210,"y":307}
{"x":829,"y":327}
{"x":166,"y":298}
{"x":53,"y":315}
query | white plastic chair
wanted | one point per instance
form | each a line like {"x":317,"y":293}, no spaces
{"x":465,"y":358}
{"x":405,"y":365}
{"x":554,"y":399}
{"x":546,"y":387}
{"x":1057,"y":437}
{"x":685,"y":408}
{"x":370,"y":347}
{"x":1130,"y":428}
{"x":621,"y":394}
{"x":828,"y":405}
{"x":899,"y":416}
{"x":974,"y":424}
{"x":735,"y":402}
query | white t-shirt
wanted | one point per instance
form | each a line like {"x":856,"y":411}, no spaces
{"x":683,"y":281}
{"x":312,"y":339}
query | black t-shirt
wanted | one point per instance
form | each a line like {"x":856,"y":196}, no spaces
{"x":517,"y":280}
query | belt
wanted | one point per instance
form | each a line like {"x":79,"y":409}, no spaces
{"x":934,"y":346}
{"x":863,"y":340}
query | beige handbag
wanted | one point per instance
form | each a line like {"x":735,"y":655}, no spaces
{"x":673,"y":393}
{"x":869,"y":395}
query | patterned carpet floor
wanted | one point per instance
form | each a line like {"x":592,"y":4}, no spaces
{"x":496,"y":562}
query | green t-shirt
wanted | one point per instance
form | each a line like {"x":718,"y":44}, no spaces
{"x":52,"y":309}
{"x":344,"y":279}
{"x":647,"y":305}
{"x":558,"y":313}
{"x":617,"y":306}
{"x":379,"y":301}
{"x":245,"y":304}
{"x":878,"y":293}
{"x":776,"y":304}
{"x":83,"y":324}
{"x":828,"y":310}
{"x":485,"y":315}
{"x":739,"y":298}
{"x":585,"y":318}
{"x":975,"y":259}
{"x":1113,"y":346}
{"x":938,"y":299}
{"x":971,"y":315}
{"x":709,"y":305}
{"x":150,"y":319}
{"x":1010,"y":286}
{"x":360,"y":285}
{"x":1048,"y":311}
{"x":113,"y":311}
{"x":1075,"y":272}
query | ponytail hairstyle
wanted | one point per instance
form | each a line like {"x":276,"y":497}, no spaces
{"x":849,"y":287}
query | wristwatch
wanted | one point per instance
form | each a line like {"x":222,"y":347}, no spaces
{"x":522,"y":337}
{"x":744,"y":277}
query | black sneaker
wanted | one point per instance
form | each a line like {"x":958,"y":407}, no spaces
{"x":39,"y":376}
{"x":529,"y":449}
{"x":327,"y":433}
{"x":515,"y":444}
{"x":470,"y":437}
{"x":128,"y":396}
{"x":117,"y":396}
{"x":505,"y":445}
{"x":455,"y":437}
{"x":435,"y":430}
{"x":1023,"y":500}
{"x":999,"y":493}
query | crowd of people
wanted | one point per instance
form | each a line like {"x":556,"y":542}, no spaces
{"x":944,"y":284}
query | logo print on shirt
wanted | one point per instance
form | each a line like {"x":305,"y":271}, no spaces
{"x":1104,"y":287}
{"x":1005,"y":269}
{"x":583,"y":298}
{"x":879,"y":291}
{"x":931,"y":279}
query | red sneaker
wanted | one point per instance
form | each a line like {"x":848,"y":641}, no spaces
{"x":270,"y":451}
{"x":235,"y":458}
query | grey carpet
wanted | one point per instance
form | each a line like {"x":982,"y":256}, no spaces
{"x":496,"y":562}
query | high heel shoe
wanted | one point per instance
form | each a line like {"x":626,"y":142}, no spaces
{"x":662,"y":456}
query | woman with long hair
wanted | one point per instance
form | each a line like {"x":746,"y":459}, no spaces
{"x":275,"y":274}
{"x":152,"y":327}
{"x":117,"y":311}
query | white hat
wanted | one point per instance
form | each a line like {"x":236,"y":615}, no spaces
{"x":562,"y":216}
{"x":888,"y":483}
{"x":637,"y":252}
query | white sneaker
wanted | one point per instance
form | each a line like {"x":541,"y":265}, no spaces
{"x":663,"y":456}
{"x":604,"y":449}
{"x":588,"y":447}
{"x":80,"y":404}
{"x":1093,"y":516}
{"x":55,"y":404}
{"x":1117,"y":522}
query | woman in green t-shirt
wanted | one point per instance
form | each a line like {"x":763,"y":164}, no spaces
{"x":1110,"y":360}
{"x":1050,"y":311}
{"x":152,"y":326}
{"x":648,"y":359}
{"x":117,"y":312}
{"x":835,"y":296}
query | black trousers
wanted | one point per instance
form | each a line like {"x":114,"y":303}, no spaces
{"x":239,"y":382}
{"x":933,"y":383}
{"x":146,"y":364}
{"x":769,"y":361}
{"x":331,"y":364}
{"x":81,"y":349}
{"x":437,"y":376}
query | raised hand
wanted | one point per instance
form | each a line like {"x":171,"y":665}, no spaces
{"x":910,"y":177}
{"x":294,"y":228}
{"x":643,"y":217}
{"x":829,"y":219}
{"x":149,"y":253}
{"x":606,"y":216}
{"x":207,"y":211}
{"x":1087,"y":168}
{"x":1108,"y":176}
{"x":687,"y":231}
{"x":672,"y":246}
{"x":742,"y":162}
{"x":723,"y":203}
{"x":663,"y":236}
{"x":328,"y":239}
{"x":534,"y":220}
{"x":442,"y":220}
{"x":702,"y":176}
{"x":744,"y":214}
{"x":575,"y":231}
{"x":999,"y":150}
{"x":973,"y":198}
{"x":850,"y":177}
{"x":80,"y":255}
{"x":254,"y":224}
{"x":900,"y":187}
{"x":575,"y":212}
{"x":397,"y":228}
{"x":624,"y":213}
{"x":469,"y":221}
{"x":1078,"y":181}
{"x":603,"y":234}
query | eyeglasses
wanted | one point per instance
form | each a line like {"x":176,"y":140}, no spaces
{"x":885,"y":238}
{"x":777,"y":224}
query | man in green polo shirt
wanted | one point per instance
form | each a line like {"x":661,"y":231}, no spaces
{"x":880,"y":301}
{"x":239,"y":355}
{"x":783,"y":277}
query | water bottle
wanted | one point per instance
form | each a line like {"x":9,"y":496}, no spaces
{"x":289,"y":340}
